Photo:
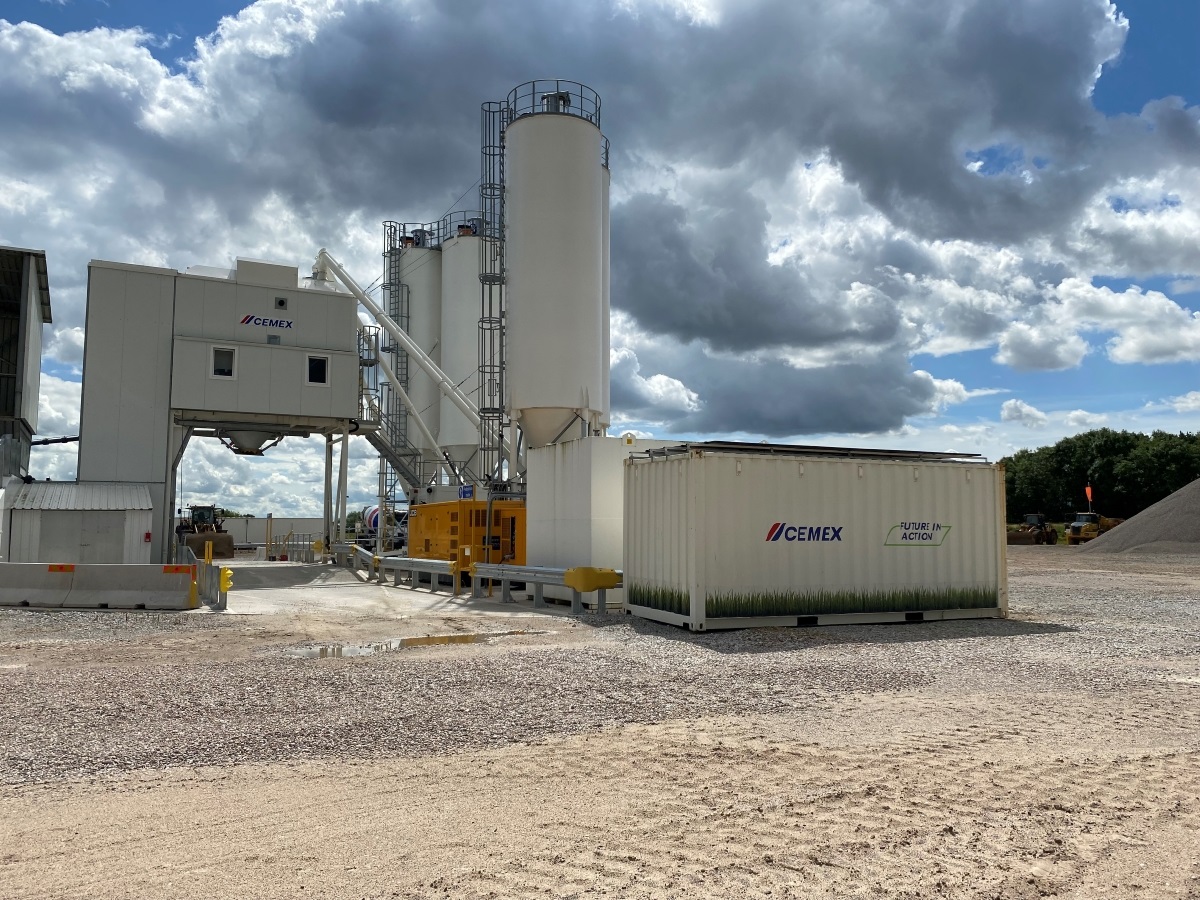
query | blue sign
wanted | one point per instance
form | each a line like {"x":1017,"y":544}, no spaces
{"x":466,"y":491}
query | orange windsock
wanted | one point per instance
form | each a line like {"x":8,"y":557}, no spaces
{"x":1088,"y":490}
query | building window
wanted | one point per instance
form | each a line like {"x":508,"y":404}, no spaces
{"x":318,"y":370}
{"x":223,"y":362}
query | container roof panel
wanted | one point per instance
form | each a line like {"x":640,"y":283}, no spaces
{"x":746,"y":448}
{"x":70,"y":495}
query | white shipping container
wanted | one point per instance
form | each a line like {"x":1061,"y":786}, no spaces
{"x":730,"y":536}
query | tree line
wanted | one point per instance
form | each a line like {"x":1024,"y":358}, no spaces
{"x":1128,"y":471}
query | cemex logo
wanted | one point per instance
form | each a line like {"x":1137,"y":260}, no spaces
{"x":267,"y":323}
{"x":781,"y":531}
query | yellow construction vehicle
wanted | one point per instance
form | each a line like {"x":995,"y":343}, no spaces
{"x":1034,"y":530}
{"x":206,"y":526}
{"x":1089,"y":525}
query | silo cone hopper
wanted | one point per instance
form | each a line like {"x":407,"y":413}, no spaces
{"x":249,"y":443}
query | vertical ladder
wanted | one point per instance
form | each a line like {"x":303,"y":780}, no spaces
{"x":492,"y":420}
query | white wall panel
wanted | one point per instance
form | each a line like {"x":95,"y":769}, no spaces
{"x":29,"y":385}
{"x":125,"y":412}
{"x":576,"y":504}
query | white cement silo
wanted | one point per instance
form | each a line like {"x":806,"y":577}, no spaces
{"x":421,"y":271}
{"x":460,"y":340}
{"x":606,"y":313}
{"x":554,"y":254}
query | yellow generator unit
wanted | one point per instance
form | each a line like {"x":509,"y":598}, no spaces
{"x":458,"y":530}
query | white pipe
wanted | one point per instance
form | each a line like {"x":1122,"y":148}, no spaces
{"x":343,"y":473}
{"x":448,"y":387}
{"x":328,"y":527}
{"x":512,"y":452}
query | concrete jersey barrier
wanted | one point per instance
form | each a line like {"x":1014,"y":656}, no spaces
{"x":97,"y":586}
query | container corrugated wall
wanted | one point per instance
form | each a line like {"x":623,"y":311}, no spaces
{"x":724,"y":540}
{"x":660,"y":537}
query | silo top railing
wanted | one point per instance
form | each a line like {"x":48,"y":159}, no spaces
{"x":555,"y":95}
{"x":462,"y":222}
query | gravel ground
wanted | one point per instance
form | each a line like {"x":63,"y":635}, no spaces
{"x":1054,"y":753}
{"x":79,"y":719}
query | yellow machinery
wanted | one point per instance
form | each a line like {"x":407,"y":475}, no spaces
{"x":1034,"y":530}
{"x":1089,"y":525}
{"x":458,"y":530}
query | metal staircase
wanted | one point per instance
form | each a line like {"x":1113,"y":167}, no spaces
{"x":399,"y":461}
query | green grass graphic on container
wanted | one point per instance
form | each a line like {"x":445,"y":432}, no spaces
{"x":666,"y":599}
{"x":815,"y":603}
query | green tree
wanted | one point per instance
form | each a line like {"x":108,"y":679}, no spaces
{"x":1128,"y":471}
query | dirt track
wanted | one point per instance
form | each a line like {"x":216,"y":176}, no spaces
{"x":1053,"y":754}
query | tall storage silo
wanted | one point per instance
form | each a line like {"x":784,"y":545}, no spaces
{"x":421,"y":271}
{"x":554,"y":254}
{"x":606,"y":312}
{"x":460,"y":339}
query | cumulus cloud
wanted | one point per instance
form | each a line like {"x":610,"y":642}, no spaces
{"x":948,"y":392}
{"x":1021,"y":412}
{"x":650,"y":399}
{"x":802,"y":201}
{"x":1028,"y":347}
{"x":1189,"y":402}
{"x":66,"y":346}
{"x":1079,"y":418}
{"x":58,"y":409}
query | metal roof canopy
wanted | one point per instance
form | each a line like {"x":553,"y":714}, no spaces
{"x":72,"y":495}
{"x":11,"y":269}
{"x":746,"y":448}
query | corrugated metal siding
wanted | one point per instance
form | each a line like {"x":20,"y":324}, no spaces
{"x":62,"y":495}
{"x":659,"y":532}
{"x":80,"y":536}
{"x":137,"y":548}
{"x":701,"y":527}
{"x":26,"y":534}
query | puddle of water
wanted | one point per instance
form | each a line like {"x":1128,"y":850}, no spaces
{"x":342,"y":651}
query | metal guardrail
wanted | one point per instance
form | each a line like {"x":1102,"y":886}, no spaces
{"x":581,"y":580}
{"x":208,"y":580}
{"x":355,"y":557}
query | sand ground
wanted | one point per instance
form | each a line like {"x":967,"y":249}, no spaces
{"x":1055,"y":754}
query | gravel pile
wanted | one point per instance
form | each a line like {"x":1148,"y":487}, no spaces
{"x":1172,"y":525}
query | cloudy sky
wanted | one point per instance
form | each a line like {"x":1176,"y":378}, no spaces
{"x":941,"y":224}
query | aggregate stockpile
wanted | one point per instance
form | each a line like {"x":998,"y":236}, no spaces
{"x":1172,"y":525}
{"x":729,"y":535}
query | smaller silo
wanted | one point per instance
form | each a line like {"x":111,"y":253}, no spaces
{"x":460,"y":335}
{"x":420,"y":275}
